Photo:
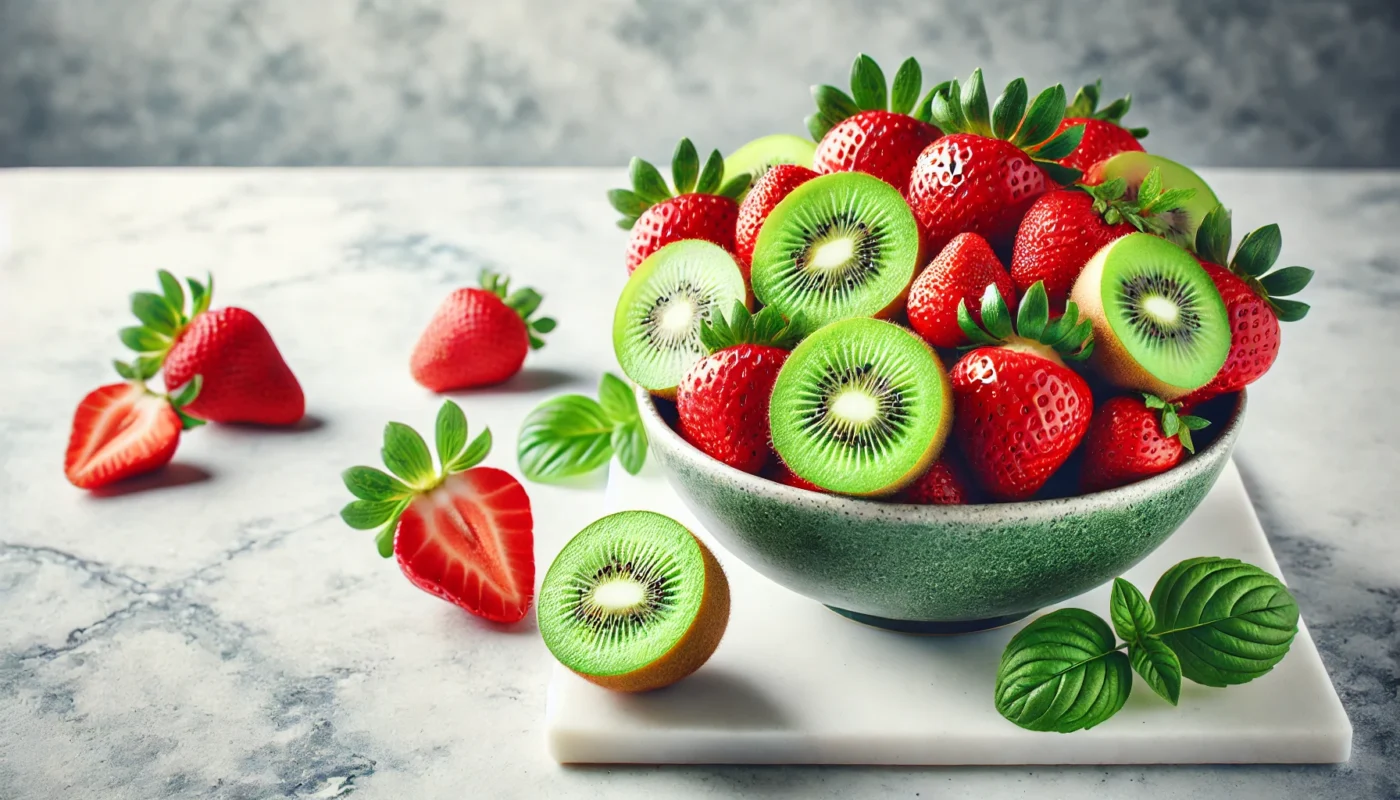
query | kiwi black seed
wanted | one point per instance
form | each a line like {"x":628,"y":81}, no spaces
{"x":861,"y":407}
{"x":656,"y":328}
{"x":839,"y":246}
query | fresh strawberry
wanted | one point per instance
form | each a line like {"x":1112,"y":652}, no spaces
{"x":1019,"y":411}
{"x":779,"y":473}
{"x":124,"y":429}
{"x":478,"y":337}
{"x":1065,"y":228}
{"x":723,"y":400}
{"x":463,"y":533}
{"x":245,"y":377}
{"x":945,"y":484}
{"x":961,"y":273}
{"x":777,"y":183}
{"x":700,"y":209}
{"x":1254,"y":300}
{"x":1104,"y":136}
{"x":859,"y":132}
{"x":1132,"y":438}
{"x":992,"y":164}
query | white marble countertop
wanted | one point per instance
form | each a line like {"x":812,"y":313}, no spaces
{"x":216,"y":631}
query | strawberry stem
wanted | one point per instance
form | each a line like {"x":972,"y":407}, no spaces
{"x":1067,"y":335}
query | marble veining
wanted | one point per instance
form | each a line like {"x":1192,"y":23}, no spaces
{"x":214,"y":630}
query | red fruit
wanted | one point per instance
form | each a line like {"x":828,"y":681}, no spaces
{"x":701,"y":208}
{"x":777,"y":183}
{"x":1103,"y":137}
{"x":478,"y":337}
{"x":960,"y":273}
{"x":945,"y":484}
{"x":781,"y":474}
{"x":463,"y":533}
{"x":120,"y":430}
{"x":1019,"y":411}
{"x":1132,"y":438}
{"x":722,"y":402}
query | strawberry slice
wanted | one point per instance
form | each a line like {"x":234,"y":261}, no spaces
{"x":463,"y":533}
{"x":124,"y":429}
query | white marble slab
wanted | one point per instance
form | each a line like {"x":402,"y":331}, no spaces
{"x":793,"y":683}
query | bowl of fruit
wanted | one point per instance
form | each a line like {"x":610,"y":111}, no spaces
{"x":959,"y":362}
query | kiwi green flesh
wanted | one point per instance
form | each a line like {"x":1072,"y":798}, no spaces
{"x":1183,"y":220}
{"x":839,"y":246}
{"x":759,"y":155}
{"x":621,"y":594}
{"x":656,"y":328}
{"x":1165,"y":310}
{"x":860,"y":407}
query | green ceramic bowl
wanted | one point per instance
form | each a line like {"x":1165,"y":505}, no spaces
{"x":937,"y":569}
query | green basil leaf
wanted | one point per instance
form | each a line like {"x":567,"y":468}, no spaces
{"x":564,"y":436}
{"x":154,"y":312}
{"x":451,"y":430}
{"x":363,"y":515}
{"x":406,"y":455}
{"x":685,"y":165}
{"x":630,"y":443}
{"x":868,"y":84}
{"x":1132,"y":616}
{"x":368,"y":483}
{"x":1158,"y":666}
{"x":908,"y":79}
{"x":1062,"y":673}
{"x":1286,"y":281}
{"x":1227,"y":621}
{"x":616,"y":398}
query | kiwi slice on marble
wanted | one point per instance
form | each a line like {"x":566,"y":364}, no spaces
{"x":634,"y":602}
{"x":839,"y":246}
{"x":766,"y":152}
{"x":1181,"y":221}
{"x":861,"y":407}
{"x":656,"y":328}
{"x":1159,"y":323}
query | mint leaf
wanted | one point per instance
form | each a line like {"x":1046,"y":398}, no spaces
{"x":368,"y":483}
{"x":1062,"y":673}
{"x":451,"y":432}
{"x":629,"y":441}
{"x":1132,"y":616}
{"x":406,"y":455}
{"x":615,"y":396}
{"x":564,"y":436}
{"x":1158,"y":666}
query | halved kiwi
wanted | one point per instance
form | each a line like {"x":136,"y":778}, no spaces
{"x":766,"y":152}
{"x":1133,"y":166}
{"x":861,"y":407}
{"x":634,"y":602}
{"x":656,"y":329}
{"x":1159,"y":323}
{"x":839,"y":246}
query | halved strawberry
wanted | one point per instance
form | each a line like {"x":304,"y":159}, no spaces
{"x":124,"y":429}
{"x":1104,"y":135}
{"x":463,"y":533}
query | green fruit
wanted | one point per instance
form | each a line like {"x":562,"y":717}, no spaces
{"x":1159,"y":323}
{"x":758,"y":156}
{"x":839,"y":246}
{"x":1182,"y":221}
{"x":656,"y":329}
{"x":634,"y":602}
{"x":862,"y":407}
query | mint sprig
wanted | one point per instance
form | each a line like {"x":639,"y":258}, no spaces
{"x":574,"y":434}
{"x":1215,"y":621}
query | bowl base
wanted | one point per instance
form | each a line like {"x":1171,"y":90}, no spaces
{"x":931,"y":627}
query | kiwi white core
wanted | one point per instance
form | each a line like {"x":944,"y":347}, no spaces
{"x":1161,"y":309}
{"x":677,"y":317}
{"x":618,"y":596}
{"x":855,"y":407}
{"x":834,"y":254}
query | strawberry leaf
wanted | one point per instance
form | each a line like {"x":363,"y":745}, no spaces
{"x":147,"y":366}
{"x":364,"y":515}
{"x":1286,"y":281}
{"x":524,"y":302}
{"x":735,"y":186}
{"x":868,"y":84}
{"x":685,"y":165}
{"x":1059,"y":173}
{"x":155,"y":313}
{"x":406,"y":455}
{"x":974,"y":105}
{"x":647,"y":183}
{"x":833,"y":105}
{"x":188,"y":422}
{"x":451,"y":433}
{"x":908,"y":79}
{"x":1046,"y":112}
{"x":712,"y":174}
{"x":1086,"y":100}
{"x":125,"y":370}
{"x":144,"y":340}
{"x":368,"y":483}
{"x":1289,"y":310}
{"x":1062,"y":144}
{"x":971,"y":329}
{"x":170,"y":287}
{"x":1258,"y":251}
{"x":1009,"y":110}
{"x":475,"y":453}
{"x":1033,"y":313}
{"x":1213,"y":237}
{"x":627,"y":202}
{"x":188,"y":392}
{"x":924,"y":112}
{"x":384,"y":540}
{"x":996,"y":317}
{"x":946,"y":108}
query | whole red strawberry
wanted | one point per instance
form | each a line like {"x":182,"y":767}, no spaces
{"x":992,"y":164}
{"x":1019,"y":411}
{"x":244,"y":376}
{"x":124,"y":429}
{"x":463,"y":533}
{"x":945,"y":484}
{"x":1132,"y":438}
{"x":478,"y":337}
{"x":959,"y":274}
{"x":1254,"y":300}
{"x":1065,"y":228}
{"x":1104,"y":136}
{"x":777,"y":183}
{"x":859,"y":132}
{"x":700,"y":209}
{"x":723,"y":400}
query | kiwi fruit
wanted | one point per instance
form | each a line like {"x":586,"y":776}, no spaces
{"x":1159,"y":323}
{"x":656,"y":329}
{"x":634,"y":602}
{"x":766,"y":152}
{"x":1133,"y":166}
{"x":839,"y":246}
{"x":861,"y":407}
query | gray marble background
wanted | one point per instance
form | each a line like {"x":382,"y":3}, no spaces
{"x":429,"y":82}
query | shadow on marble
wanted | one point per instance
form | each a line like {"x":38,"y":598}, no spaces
{"x":171,"y":476}
{"x":529,"y":379}
{"x":308,"y":423}
{"x":709,"y":700}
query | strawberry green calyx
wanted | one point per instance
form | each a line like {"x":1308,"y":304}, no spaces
{"x":688,"y":177}
{"x":869,"y":92}
{"x":163,"y":318}
{"x":1253,"y":260}
{"x":963,"y":109}
{"x":143,"y":369}
{"x":382,"y":497}
{"x":1174,"y":423}
{"x":524,"y":302}
{"x":767,"y":327}
{"x":1067,"y":335}
{"x":1086,"y":106}
{"x":1140,"y":212}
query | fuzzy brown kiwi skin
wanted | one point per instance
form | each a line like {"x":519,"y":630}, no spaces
{"x":1110,"y":358}
{"x":693,"y":649}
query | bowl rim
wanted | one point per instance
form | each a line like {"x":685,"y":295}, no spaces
{"x":980,"y":513}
